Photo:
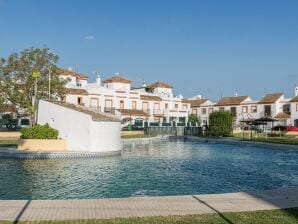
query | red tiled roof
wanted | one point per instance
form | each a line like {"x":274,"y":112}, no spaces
{"x":282,"y":116}
{"x":229,"y":101}
{"x":270,"y":98}
{"x":96,"y":115}
{"x":151,"y":98}
{"x":117,"y":79}
{"x":195,"y":103}
{"x":160,"y":85}
{"x":133,"y":112}
{"x":295,"y":99}
{"x":66,"y":72}
{"x":7,"y":108}
{"x":76,"y":91}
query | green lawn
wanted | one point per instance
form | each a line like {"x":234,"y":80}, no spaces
{"x":127,"y":136}
{"x":7,"y":143}
{"x":262,"y":138}
{"x":286,"y":216}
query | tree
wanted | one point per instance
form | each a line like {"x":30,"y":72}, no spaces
{"x":193,"y":119}
{"x":220,"y":123}
{"x":17,"y":82}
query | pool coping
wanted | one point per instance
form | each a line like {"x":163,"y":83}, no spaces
{"x":13,"y":153}
{"x":240,"y":142}
{"x":30,"y":210}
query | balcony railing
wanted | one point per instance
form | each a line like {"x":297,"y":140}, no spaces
{"x":110,"y":110}
{"x":158,"y":112}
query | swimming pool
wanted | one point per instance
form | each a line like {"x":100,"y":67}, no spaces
{"x":159,"y":168}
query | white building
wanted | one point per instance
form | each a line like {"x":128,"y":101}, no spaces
{"x":115,"y":95}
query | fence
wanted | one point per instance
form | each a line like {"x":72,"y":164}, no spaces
{"x":174,"y":130}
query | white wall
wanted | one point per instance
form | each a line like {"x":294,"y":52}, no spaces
{"x":79,"y":130}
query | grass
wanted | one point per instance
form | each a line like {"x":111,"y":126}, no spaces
{"x":291,"y":140}
{"x":8,"y":143}
{"x":281,"y":216}
{"x":128,"y":136}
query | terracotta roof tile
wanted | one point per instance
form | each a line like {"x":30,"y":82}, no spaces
{"x":270,"y":98}
{"x":150,"y":98}
{"x":282,"y":116}
{"x":76,"y":91}
{"x":160,"y":85}
{"x":229,"y":101}
{"x":61,"y":71}
{"x":196,"y":103}
{"x":295,"y":99}
{"x":7,"y":108}
{"x":96,"y":115}
{"x":133,"y":112}
{"x":117,"y":79}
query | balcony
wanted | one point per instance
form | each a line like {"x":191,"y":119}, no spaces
{"x":158,"y":112}
{"x":109,"y":110}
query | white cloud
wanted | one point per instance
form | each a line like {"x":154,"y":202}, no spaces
{"x":89,"y":37}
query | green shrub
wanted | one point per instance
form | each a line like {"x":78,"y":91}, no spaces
{"x":39,"y":132}
{"x":220,"y":123}
{"x":193,"y":119}
{"x":7,"y":116}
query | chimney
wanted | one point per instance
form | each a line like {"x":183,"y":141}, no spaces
{"x":98,"y":80}
{"x":236,"y":94}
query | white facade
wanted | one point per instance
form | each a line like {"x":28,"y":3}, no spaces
{"x":116,"y":96}
{"x":80,"y":130}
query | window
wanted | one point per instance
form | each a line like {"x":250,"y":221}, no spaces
{"x":221,"y":108}
{"x":176,"y":106}
{"x":80,"y":100}
{"x":108,"y":103}
{"x":210,"y":110}
{"x":121,"y":104}
{"x":254,"y":109}
{"x":204,"y":110}
{"x":194,"y":111}
{"x":244,"y":109}
{"x":166,"y":105}
{"x":134,"y":105}
{"x":145,"y":106}
{"x":296,"y":106}
{"x":267,"y":110}
{"x":234,"y":111}
{"x":287,"y":108}
{"x":156,"y":106}
{"x":185,"y":106}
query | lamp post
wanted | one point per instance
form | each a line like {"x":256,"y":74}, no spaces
{"x":49,"y":70}
{"x":36,"y":75}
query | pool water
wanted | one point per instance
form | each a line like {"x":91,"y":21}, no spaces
{"x":161,"y":168}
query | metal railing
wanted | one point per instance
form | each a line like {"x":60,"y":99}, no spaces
{"x":110,"y":110}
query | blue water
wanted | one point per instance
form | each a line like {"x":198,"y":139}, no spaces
{"x":163,"y":168}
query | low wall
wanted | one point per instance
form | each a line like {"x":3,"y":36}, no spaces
{"x":9,"y":135}
{"x":42,"y":145}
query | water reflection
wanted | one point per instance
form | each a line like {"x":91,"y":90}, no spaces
{"x":164,"y":168}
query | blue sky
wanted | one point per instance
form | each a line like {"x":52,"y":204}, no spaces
{"x":201,"y":47}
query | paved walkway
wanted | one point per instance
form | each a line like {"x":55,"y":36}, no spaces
{"x":147,"y":206}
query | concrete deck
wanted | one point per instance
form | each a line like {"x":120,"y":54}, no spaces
{"x":21,"y":210}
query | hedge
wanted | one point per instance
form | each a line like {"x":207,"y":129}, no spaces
{"x":39,"y":132}
{"x":220,"y":123}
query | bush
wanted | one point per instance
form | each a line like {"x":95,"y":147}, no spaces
{"x":7,"y":116}
{"x":193,"y":119}
{"x":220,"y":123}
{"x":39,"y":132}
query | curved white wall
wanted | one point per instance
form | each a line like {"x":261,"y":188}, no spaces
{"x":79,"y":130}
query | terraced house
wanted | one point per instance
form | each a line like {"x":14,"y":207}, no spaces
{"x":154,"y":102}
{"x":243,"y":108}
